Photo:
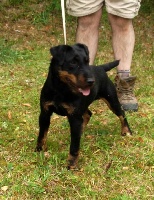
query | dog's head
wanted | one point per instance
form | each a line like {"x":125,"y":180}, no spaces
{"x":72,"y":65}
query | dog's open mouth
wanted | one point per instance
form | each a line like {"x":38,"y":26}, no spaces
{"x":85,"y":91}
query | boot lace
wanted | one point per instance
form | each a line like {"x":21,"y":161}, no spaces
{"x":127,"y":93}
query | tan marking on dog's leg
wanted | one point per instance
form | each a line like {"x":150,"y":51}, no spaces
{"x":44,"y":141}
{"x":47,"y":104}
{"x":86,"y":118}
{"x":72,"y":161}
{"x":124,"y":128}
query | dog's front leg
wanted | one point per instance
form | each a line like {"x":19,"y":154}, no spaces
{"x":44,"y":122}
{"x":76,"y":124}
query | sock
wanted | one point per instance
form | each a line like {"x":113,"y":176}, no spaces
{"x":123,"y":73}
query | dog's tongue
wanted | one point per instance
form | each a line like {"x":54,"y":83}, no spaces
{"x":85,"y":92}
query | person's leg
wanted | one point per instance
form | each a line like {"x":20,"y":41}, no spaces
{"x":89,"y":14}
{"x":120,"y":14}
{"x":88,"y":31}
{"x":123,"y":39}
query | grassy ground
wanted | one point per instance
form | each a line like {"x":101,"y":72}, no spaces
{"x":110,"y":166}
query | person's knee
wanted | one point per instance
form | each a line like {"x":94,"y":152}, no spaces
{"x":91,"y":21}
{"x":84,"y":22}
{"x":119,"y":22}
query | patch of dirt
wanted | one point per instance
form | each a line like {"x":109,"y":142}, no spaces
{"x":16,"y":25}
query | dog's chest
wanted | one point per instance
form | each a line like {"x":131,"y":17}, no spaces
{"x":60,"y":108}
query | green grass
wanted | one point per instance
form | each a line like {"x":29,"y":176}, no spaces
{"x":110,"y":166}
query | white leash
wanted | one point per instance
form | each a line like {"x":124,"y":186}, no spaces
{"x":63,"y":17}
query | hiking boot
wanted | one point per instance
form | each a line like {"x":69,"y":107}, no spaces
{"x":124,"y":88}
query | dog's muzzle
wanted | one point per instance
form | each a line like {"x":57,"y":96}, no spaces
{"x":86,"y":90}
{"x":90,"y":81}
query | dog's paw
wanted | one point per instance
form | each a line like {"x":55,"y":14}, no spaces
{"x":38,"y":149}
{"x":126,"y":134}
{"x":69,"y":167}
{"x":72,"y":168}
{"x":126,"y":131}
{"x":72,"y":162}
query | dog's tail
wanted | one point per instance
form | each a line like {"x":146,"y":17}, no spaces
{"x":111,"y":65}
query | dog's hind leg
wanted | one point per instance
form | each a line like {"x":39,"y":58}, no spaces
{"x":113,"y":103}
{"x":76,"y":123}
{"x":86,"y":117}
{"x":116,"y":109}
{"x":44,"y":122}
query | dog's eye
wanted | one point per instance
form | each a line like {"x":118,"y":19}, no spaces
{"x":73,"y":62}
{"x":73,"y":67}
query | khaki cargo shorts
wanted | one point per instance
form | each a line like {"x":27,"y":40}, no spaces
{"x":123,"y":8}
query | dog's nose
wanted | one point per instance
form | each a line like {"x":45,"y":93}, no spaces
{"x":90,"y":81}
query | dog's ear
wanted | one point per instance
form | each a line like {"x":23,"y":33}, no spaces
{"x":58,"y":53}
{"x":83,"y":46}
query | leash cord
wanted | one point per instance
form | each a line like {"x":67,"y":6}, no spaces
{"x":63,"y":18}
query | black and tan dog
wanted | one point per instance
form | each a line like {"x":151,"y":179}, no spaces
{"x":71,"y":86}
